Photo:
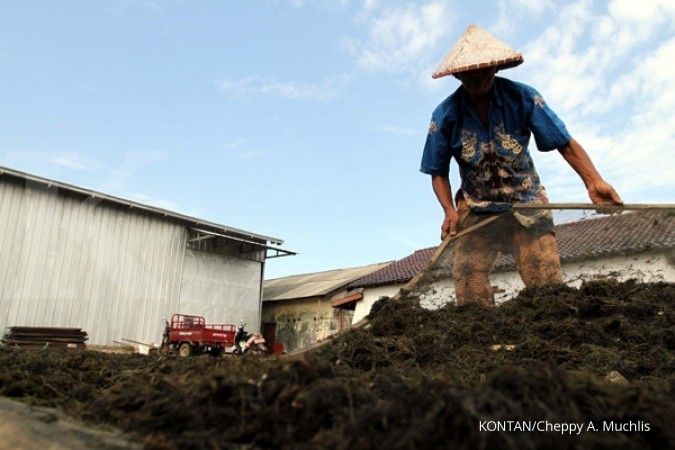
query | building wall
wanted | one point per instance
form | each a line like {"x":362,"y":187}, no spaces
{"x":68,"y":262}
{"x":370,"y":296}
{"x":222,"y":288}
{"x":645,"y":267}
{"x":302,"y":322}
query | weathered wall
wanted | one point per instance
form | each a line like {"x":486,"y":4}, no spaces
{"x":370,"y":296}
{"x":645,"y":267}
{"x":302,"y":322}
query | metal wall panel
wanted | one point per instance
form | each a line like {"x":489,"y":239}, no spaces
{"x":222,"y":288}
{"x":110,"y":270}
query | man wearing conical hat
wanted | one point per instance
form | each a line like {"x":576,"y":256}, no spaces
{"x":485,"y":126}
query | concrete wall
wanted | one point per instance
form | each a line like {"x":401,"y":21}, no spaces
{"x":370,"y":296}
{"x":644,"y":267}
{"x":301,"y":322}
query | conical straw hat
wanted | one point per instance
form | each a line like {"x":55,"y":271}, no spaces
{"x":477,"y":49}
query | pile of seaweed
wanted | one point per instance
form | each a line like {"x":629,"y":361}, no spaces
{"x":600,"y":327}
{"x":413,"y":378}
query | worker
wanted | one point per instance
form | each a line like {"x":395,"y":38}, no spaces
{"x":485,"y":125}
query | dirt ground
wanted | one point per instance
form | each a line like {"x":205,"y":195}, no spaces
{"x":23,"y":426}
{"x":412,"y":379}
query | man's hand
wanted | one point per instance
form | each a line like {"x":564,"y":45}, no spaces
{"x":441,"y":185}
{"x":450,"y":222}
{"x":602,"y":193}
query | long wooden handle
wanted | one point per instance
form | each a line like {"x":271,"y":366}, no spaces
{"x":627,"y":206}
{"x":439,"y":251}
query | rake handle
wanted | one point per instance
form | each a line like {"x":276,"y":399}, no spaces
{"x":627,"y":206}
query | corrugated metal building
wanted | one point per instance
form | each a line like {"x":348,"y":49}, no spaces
{"x":71,"y":257}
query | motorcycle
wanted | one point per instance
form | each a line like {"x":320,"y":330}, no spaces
{"x":245,"y":342}
{"x":165,"y":348}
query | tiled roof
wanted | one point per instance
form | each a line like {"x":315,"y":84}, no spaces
{"x":314,"y":284}
{"x":585,"y":239}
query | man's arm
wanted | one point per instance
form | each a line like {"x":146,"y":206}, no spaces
{"x":441,"y":185}
{"x":600,"y":192}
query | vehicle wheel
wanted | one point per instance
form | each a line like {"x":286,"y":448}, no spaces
{"x":216,"y":351}
{"x":185,"y":350}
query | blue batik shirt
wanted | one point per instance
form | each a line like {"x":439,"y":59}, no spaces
{"x":495,"y":165}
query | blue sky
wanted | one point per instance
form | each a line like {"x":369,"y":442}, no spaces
{"x":305,"y":120}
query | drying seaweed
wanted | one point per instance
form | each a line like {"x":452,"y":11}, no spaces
{"x":413,"y":378}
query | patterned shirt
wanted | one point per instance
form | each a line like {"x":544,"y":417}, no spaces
{"x":495,"y":165}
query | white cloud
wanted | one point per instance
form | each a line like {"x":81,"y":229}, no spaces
{"x":402,"y":237}
{"x":251,"y":154}
{"x":368,"y":7}
{"x":255,"y":87}
{"x":72,"y":160}
{"x":645,"y":13}
{"x":301,"y":3}
{"x":146,"y":199}
{"x":132,"y":162}
{"x":49,"y":163}
{"x":535,"y":7}
{"x":512,"y":10}
{"x":237,"y":143}
{"x":576,"y":57}
{"x":54,"y":160}
{"x":611,"y":76}
{"x":125,"y":6}
{"x":394,"y":129}
{"x":401,"y":38}
{"x":152,"y":201}
{"x":242,"y":152}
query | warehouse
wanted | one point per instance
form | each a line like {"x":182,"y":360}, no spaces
{"x":72,"y":257}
